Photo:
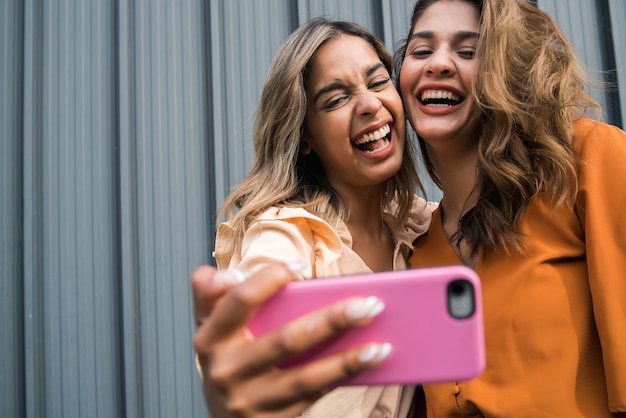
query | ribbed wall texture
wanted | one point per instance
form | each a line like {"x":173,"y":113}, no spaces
{"x":617,"y":13}
{"x":123,"y":125}
{"x":595,"y":36}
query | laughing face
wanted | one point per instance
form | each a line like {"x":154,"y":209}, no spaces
{"x":354,"y":120}
{"x":436,"y":77}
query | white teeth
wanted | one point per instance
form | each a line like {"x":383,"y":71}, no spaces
{"x":440,"y":94}
{"x":374,"y":136}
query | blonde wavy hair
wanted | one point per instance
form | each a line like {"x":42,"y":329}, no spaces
{"x":529,"y":92}
{"x":283,"y":176}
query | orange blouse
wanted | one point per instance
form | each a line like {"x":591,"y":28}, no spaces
{"x":555,"y":318}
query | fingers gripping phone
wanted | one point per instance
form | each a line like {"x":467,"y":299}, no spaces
{"x":432,"y":318}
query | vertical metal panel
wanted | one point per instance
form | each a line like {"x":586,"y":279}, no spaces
{"x":579,"y":21}
{"x":34,"y":370}
{"x":70,"y":164}
{"x":128,"y":213}
{"x":242,"y":47}
{"x":617,"y":10}
{"x":11,"y":228}
{"x":397,"y":19}
{"x":163,"y":201}
{"x":363,"y":12}
{"x":72,"y":233}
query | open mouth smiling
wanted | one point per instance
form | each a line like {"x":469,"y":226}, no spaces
{"x":374,"y":141}
{"x":440,"y":98}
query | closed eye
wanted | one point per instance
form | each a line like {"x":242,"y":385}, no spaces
{"x":467,"y":54}
{"x":421,"y":53}
{"x":378,"y":85}
{"x":334,"y":102}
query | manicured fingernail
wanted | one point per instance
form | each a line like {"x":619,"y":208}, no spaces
{"x":362,"y":308}
{"x":297,"y":267}
{"x":227,"y":277}
{"x":376,"y":352}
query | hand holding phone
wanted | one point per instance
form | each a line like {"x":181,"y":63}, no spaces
{"x":432,"y":318}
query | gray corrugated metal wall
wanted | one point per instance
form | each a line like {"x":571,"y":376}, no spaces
{"x":123,"y":125}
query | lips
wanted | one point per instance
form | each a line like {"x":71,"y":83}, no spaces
{"x":375,"y":141}
{"x":440,"y":98}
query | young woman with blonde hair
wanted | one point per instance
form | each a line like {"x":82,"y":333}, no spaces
{"x":332,"y":188}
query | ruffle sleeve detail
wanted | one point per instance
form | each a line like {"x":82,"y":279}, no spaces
{"x":417,"y":222}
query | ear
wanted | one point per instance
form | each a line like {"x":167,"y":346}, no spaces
{"x":305,"y":148}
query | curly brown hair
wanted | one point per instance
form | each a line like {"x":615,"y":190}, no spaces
{"x":529,"y":92}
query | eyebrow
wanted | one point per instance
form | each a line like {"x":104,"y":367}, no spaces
{"x":337,"y":85}
{"x":460,"y":35}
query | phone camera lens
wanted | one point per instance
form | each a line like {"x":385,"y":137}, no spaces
{"x":457,"y":289}
{"x":460,"y":299}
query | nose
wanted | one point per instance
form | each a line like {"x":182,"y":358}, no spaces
{"x":440,"y":64}
{"x":369,"y":103}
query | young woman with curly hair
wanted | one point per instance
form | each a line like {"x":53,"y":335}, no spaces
{"x":533,"y":197}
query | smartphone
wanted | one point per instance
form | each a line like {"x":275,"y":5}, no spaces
{"x":432,"y":317}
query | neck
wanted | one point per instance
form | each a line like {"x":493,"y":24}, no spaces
{"x":456,"y":163}
{"x":458,"y":180}
{"x":370,"y":238}
{"x":455,"y":160}
{"x":365,"y":215}
{"x":458,"y":175}
{"x":363,"y":206}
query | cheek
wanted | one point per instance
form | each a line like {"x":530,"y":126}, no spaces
{"x":400,"y":127}
{"x":408,"y":76}
{"x":394,"y":104}
{"x":403,"y":82}
{"x":468,"y":75}
{"x":331,"y":124}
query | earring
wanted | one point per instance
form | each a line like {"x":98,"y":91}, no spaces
{"x":305,"y":149}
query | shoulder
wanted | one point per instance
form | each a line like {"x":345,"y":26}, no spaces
{"x":285,"y":221}
{"x":599,"y":147}
{"x":586,"y":126}
{"x":286,"y":213}
{"x":279,"y":233}
{"x":593,"y":133}
{"x":294,"y":221}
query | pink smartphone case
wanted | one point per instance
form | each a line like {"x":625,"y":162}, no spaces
{"x":429,"y":345}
